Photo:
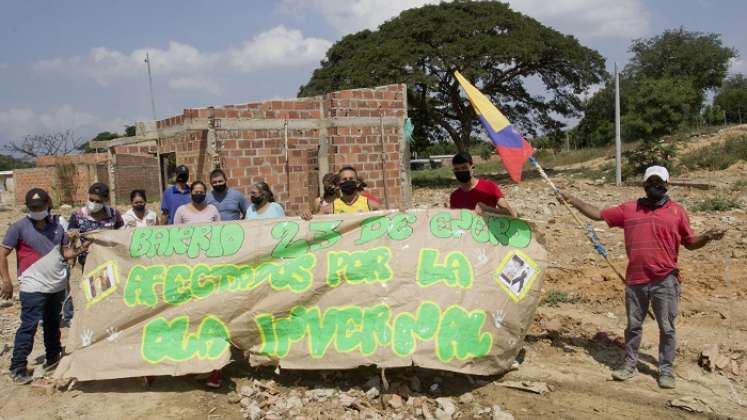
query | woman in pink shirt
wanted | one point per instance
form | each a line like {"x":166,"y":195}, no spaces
{"x":198,"y":210}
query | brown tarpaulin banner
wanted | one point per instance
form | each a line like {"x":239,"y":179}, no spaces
{"x":440,"y":289}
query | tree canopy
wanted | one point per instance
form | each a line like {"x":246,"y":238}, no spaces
{"x":662,"y":88}
{"x":508,"y":56}
{"x":34,"y":145}
{"x":732,"y":98}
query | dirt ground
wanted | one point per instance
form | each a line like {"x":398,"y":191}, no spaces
{"x":571,"y":347}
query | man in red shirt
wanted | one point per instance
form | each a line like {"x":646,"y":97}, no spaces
{"x":481,"y":195}
{"x":654,"y":228}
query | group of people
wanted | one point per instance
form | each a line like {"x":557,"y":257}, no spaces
{"x":654,"y":226}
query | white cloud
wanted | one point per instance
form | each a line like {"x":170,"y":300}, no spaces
{"x":186,"y":67}
{"x":590,"y":18}
{"x":278,"y":47}
{"x":348,"y":16}
{"x":583,"y":18}
{"x":196,"y":83}
{"x":18,"y":122}
{"x":738,"y":65}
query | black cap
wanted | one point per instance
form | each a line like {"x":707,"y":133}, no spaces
{"x":182,"y":170}
{"x":36,"y":197}
{"x":100,"y":189}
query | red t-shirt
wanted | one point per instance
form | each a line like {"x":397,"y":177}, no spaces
{"x":486,"y":192}
{"x":652,"y":238}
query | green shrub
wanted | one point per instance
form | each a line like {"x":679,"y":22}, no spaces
{"x":555,"y":297}
{"x":717,"y":203}
{"x":648,"y":153}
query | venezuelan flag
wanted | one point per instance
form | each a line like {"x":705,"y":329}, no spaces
{"x":513,"y":149}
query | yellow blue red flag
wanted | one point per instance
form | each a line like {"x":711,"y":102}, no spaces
{"x":513,"y":149}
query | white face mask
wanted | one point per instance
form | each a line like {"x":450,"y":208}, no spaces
{"x":38,"y":215}
{"x":94,"y":207}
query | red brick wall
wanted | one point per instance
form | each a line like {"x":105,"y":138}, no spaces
{"x":84,"y":158}
{"x":27,"y":179}
{"x":250,"y":156}
{"x":136,"y":172}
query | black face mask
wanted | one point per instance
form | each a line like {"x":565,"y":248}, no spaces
{"x":198,"y":198}
{"x":139,"y":207}
{"x":256,"y":200}
{"x":348,"y":187}
{"x":219,"y":188}
{"x":330,"y":191}
{"x":182,"y":178}
{"x":656,"y":194}
{"x":463,"y":176}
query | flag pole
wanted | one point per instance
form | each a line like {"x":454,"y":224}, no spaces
{"x":588,"y":228}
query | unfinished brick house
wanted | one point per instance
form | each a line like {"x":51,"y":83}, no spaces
{"x":289,"y":144}
{"x":67,"y":178}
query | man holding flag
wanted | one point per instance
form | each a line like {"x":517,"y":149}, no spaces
{"x":481,"y":195}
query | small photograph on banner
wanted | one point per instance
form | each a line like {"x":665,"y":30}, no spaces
{"x":516,"y":274}
{"x":100,"y":282}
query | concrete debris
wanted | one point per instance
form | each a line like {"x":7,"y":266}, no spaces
{"x":394,"y":401}
{"x":253,"y":412}
{"x":234,"y":398}
{"x":347,"y":400}
{"x":293,"y":402}
{"x":320,"y":394}
{"x":467,"y":398}
{"x":373,"y":393}
{"x":246,"y":391}
{"x":446,"y":405}
{"x":691,"y":404}
{"x":529,"y":386}
{"x":499,"y":414}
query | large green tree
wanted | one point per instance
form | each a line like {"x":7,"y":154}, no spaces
{"x":533,"y":73}
{"x":701,"y":57}
{"x":732,"y":98}
{"x":688,"y":63}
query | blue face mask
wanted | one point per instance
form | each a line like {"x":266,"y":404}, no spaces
{"x":38,"y":215}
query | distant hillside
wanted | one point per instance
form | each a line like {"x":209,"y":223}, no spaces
{"x":8,"y":163}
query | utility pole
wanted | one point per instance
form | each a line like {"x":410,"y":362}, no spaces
{"x":618,"y":145}
{"x":158,"y":137}
{"x":150,"y":85}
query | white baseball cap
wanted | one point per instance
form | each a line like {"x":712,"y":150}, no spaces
{"x":659,"y":171}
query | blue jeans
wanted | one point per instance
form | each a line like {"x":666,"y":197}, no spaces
{"x":67,"y":308}
{"x":37,"y":307}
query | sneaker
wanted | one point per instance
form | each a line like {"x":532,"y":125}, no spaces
{"x":623,"y":374}
{"x":666,"y":381}
{"x":21,"y":376}
{"x":215,"y":379}
{"x":50,"y":365}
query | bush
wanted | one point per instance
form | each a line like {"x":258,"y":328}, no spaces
{"x":717,"y":203}
{"x":740,"y":185}
{"x":648,"y":153}
{"x":555,"y":297}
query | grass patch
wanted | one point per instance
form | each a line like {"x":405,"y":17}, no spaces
{"x":740,"y":185}
{"x":717,"y":203}
{"x":717,"y":157}
{"x":556,"y":297}
{"x":550,"y":159}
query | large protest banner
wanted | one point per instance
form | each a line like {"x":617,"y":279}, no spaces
{"x":440,"y":289}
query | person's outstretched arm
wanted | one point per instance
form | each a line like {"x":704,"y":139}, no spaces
{"x":586,"y":209}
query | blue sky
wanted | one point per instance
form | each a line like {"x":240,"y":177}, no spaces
{"x":79,"y":64}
